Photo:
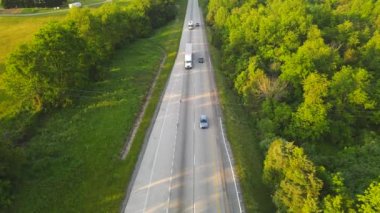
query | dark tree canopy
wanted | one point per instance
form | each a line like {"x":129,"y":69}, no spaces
{"x":309,"y":72}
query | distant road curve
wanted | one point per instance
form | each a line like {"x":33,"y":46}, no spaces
{"x":46,"y":13}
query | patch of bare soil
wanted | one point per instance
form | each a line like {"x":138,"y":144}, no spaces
{"x":11,"y":11}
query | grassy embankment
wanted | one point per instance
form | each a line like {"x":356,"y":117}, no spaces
{"x":244,"y":143}
{"x":74,"y":158}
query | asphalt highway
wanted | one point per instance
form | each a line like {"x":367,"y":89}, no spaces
{"x":185,"y":168}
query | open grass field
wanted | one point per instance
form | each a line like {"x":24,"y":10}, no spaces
{"x":74,"y":160}
{"x":17,"y":30}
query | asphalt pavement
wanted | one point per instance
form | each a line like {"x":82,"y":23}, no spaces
{"x":185,"y":168}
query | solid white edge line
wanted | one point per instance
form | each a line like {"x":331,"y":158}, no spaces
{"x":229,"y":159}
{"x":156,"y":153}
{"x":173,"y":157}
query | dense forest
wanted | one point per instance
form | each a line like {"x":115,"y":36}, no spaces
{"x":31,"y":3}
{"x":308,"y":72}
{"x":63,"y":58}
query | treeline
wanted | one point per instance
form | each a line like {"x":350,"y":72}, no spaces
{"x":63,"y":58}
{"x":31,"y":3}
{"x":308,"y":71}
{"x":296,"y":187}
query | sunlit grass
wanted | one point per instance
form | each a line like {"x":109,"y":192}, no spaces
{"x":17,"y":30}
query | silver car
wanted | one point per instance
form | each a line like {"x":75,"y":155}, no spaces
{"x":203,"y":124}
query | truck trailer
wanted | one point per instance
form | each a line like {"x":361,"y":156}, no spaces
{"x":75,"y":4}
{"x":189,"y":56}
{"x":190,"y":25}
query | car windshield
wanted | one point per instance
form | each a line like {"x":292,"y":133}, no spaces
{"x":203,"y":119}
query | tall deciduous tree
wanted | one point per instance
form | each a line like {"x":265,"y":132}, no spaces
{"x":293,"y":177}
{"x":44,"y":72}
{"x":310,"y":121}
{"x":313,"y":56}
{"x":370,"y":200}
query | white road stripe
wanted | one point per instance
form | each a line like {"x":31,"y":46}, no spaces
{"x":173,"y":157}
{"x":156,"y":153}
{"x":229,"y":159}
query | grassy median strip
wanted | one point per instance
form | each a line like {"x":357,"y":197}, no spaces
{"x":74,"y":158}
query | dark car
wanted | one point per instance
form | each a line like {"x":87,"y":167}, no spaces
{"x":200,"y":60}
{"x":197,"y":24}
{"x":203,"y":124}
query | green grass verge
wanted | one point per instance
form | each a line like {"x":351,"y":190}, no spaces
{"x":168,"y":38}
{"x":74,"y":158}
{"x":244,"y":143}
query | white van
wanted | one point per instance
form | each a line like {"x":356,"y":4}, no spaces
{"x":190,"y":25}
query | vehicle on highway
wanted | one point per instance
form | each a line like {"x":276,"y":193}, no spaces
{"x":200,"y":60}
{"x":203,"y":123}
{"x":197,"y":24}
{"x":190,"y":25}
{"x":189,"y":56}
{"x":75,"y":4}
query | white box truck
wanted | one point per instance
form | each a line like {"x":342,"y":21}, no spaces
{"x":190,"y":25}
{"x":189,"y":56}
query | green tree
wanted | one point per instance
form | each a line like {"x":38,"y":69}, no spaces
{"x":371,"y":54}
{"x":45,"y":71}
{"x":370,"y":200}
{"x":293,"y":176}
{"x":310,"y":121}
{"x":313,"y":56}
{"x":351,"y":101}
{"x":339,"y":199}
